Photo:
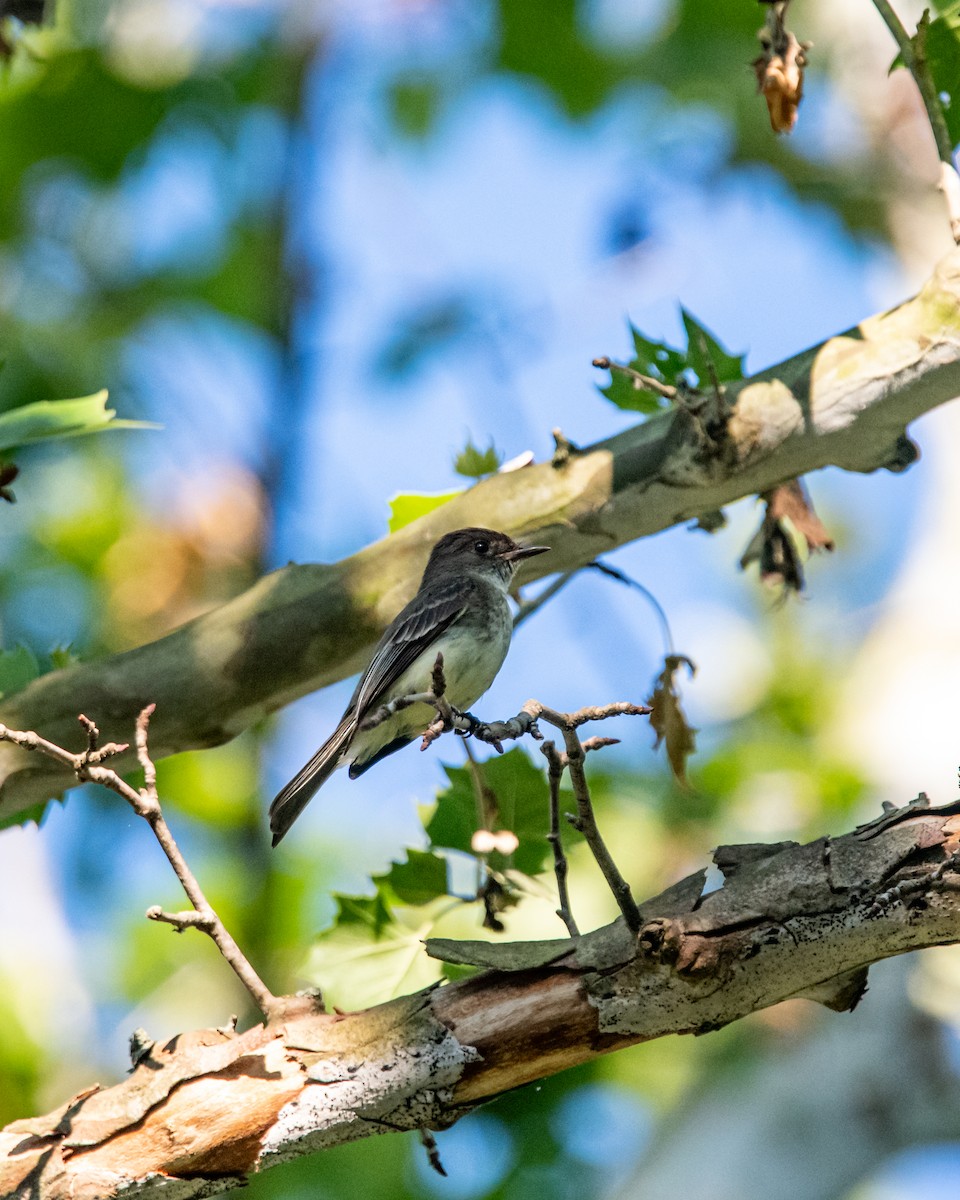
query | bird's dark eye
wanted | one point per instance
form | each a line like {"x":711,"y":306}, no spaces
{"x":481,"y":545}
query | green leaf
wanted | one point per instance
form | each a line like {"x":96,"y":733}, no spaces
{"x":474,"y":463}
{"x":659,"y":359}
{"x":705,"y":352}
{"x":372,"y":953}
{"x":523,"y":800}
{"x":422,"y":878}
{"x":408,"y":506}
{"x":656,"y":359}
{"x":943,"y":59}
{"x":61,"y":419}
{"x":414,"y":102}
{"x":626,"y":394}
{"x":62,"y":657}
{"x":666,"y":364}
{"x":17,"y":668}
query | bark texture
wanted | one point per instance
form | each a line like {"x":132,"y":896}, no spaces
{"x":196,"y":1116}
{"x":845,"y":403}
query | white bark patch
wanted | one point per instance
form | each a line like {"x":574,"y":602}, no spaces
{"x":408,"y":1088}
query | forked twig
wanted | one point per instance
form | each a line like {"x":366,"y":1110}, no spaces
{"x":146,"y":804}
{"x":555,"y":767}
{"x":526,"y":721}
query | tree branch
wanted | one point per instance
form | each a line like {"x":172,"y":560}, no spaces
{"x":201,"y":1113}
{"x":913,"y":50}
{"x":846,"y":402}
{"x":146,"y":803}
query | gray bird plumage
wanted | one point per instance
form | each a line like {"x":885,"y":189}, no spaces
{"x":461,"y":610}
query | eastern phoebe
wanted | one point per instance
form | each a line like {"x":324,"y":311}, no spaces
{"x":461,"y":611}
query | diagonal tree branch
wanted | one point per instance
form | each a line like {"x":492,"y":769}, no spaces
{"x":846,"y":402}
{"x":200,"y":1114}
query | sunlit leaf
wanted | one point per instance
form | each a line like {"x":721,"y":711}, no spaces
{"x":408,"y":506}
{"x":61,"y":419}
{"x":372,"y":953}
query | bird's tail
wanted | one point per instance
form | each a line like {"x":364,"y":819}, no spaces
{"x":292,"y":799}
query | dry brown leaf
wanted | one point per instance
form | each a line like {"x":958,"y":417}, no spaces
{"x":668,"y":718}
{"x":779,"y":68}
{"x":790,"y":531}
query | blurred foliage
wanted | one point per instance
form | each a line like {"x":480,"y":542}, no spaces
{"x":939,"y":45}
{"x":473,"y":463}
{"x":47,"y":419}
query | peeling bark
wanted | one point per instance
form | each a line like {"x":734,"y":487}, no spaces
{"x":197,"y":1116}
{"x":845,"y":403}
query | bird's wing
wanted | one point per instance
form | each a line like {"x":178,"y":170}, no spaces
{"x":411,"y":632}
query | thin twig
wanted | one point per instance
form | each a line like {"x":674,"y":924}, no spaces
{"x":145,"y":803}
{"x":433,"y":1151}
{"x":623,"y":577}
{"x":914,"y":53}
{"x":586,"y":820}
{"x":449,"y":718}
{"x":488,"y":807}
{"x":556,"y":764}
{"x":637,"y":378}
{"x":529,"y":607}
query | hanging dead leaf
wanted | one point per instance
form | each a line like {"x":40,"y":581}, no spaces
{"x":779,"y":68}
{"x":668,"y":718}
{"x":790,"y":530}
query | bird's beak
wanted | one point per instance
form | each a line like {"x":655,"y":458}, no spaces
{"x":520,"y":552}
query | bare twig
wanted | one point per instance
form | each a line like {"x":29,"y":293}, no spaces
{"x":529,"y":607}
{"x":145,"y":803}
{"x":914,"y":53}
{"x":181,"y":920}
{"x":637,"y":378}
{"x":623,"y":577}
{"x":585,"y":820}
{"x":450,"y":719}
{"x":556,"y":764}
{"x":433,"y":1152}
{"x":488,"y":807}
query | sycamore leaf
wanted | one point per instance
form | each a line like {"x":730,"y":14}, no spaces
{"x":703,"y":359}
{"x":422,"y":878}
{"x":658,"y":359}
{"x":474,"y":464}
{"x":705,"y":352}
{"x":372,"y":953}
{"x":408,"y":506}
{"x":17,"y":668}
{"x":668,"y":719}
{"x":61,"y":419}
{"x":522,"y":808}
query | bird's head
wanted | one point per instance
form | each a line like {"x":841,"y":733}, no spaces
{"x":479,"y":551}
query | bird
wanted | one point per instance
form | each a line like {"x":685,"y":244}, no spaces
{"x":460,"y":611}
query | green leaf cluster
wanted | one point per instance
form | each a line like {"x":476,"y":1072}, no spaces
{"x":373,"y":948}
{"x":701,"y":363}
